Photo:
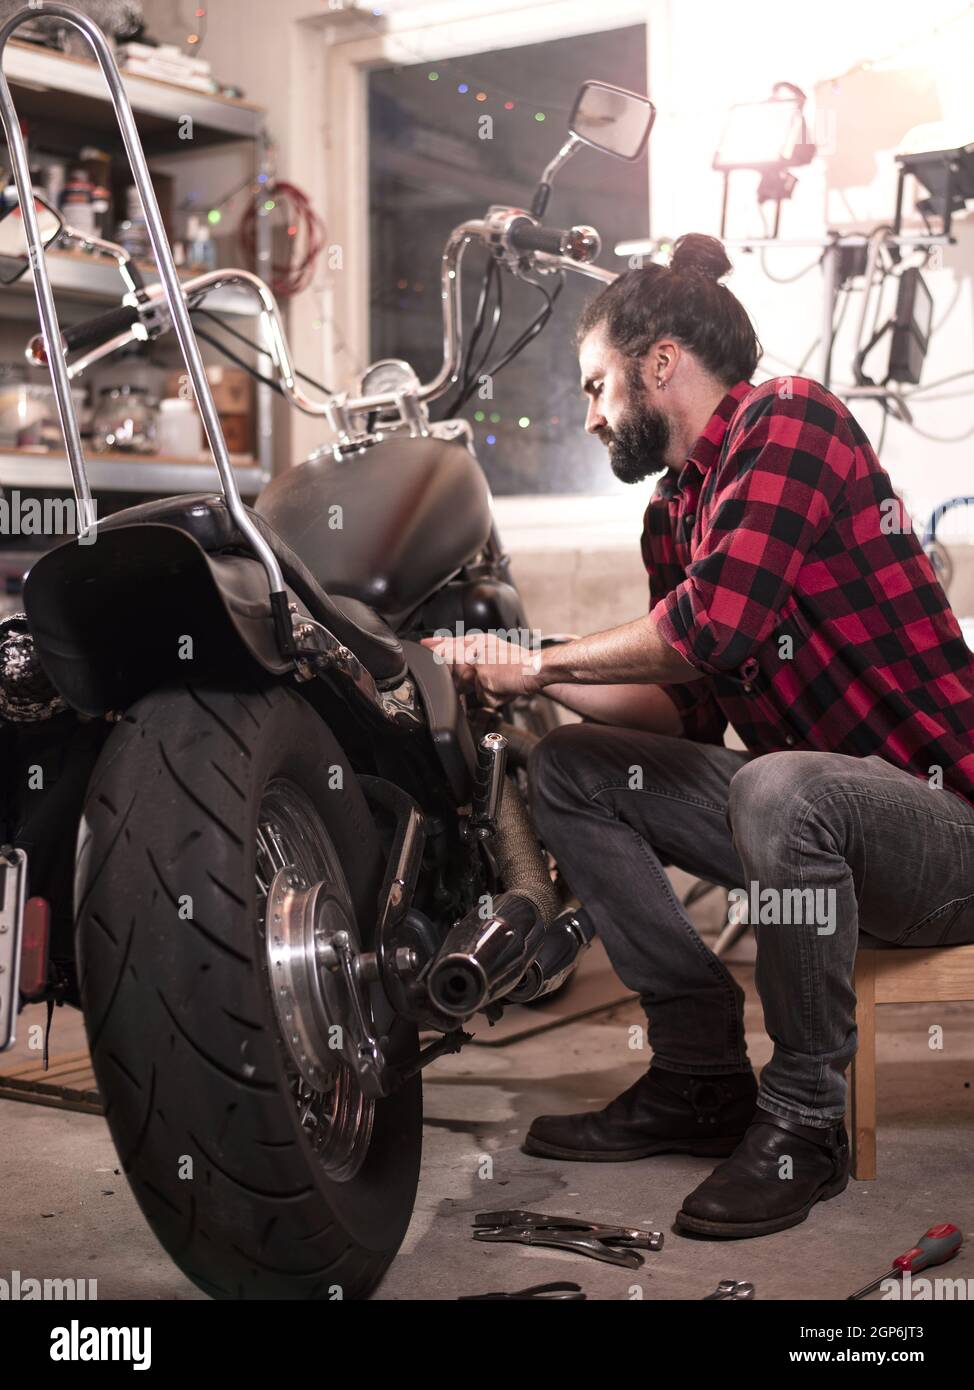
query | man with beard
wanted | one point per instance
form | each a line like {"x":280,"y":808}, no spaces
{"x":789,"y":598}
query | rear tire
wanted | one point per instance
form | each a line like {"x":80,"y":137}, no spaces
{"x":196,"y":1076}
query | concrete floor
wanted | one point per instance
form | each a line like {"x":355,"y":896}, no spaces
{"x":65,"y":1213}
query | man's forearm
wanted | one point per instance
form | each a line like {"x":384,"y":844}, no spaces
{"x":633,"y":653}
{"x":630,"y":706}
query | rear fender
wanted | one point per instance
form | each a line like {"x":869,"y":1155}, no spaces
{"x":144,"y":605}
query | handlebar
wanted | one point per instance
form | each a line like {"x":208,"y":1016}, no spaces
{"x":92,"y":333}
{"x":525,"y":236}
{"x":508,"y":233}
{"x":578,"y":244}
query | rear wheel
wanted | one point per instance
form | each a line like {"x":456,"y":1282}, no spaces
{"x":258,"y":1162}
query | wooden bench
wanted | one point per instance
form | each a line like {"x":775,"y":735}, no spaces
{"x":899,"y":975}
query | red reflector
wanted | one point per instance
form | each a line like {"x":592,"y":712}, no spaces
{"x":33,"y":951}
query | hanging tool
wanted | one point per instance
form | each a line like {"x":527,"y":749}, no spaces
{"x":616,"y":1245}
{"x":934,"y":1247}
{"x":560,"y":1290}
{"x":731,"y":1289}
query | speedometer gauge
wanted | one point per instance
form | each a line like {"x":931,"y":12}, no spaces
{"x":389,"y":377}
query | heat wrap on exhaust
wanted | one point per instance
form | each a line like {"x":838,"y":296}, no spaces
{"x":521,"y":864}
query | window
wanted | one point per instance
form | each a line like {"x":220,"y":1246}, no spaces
{"x":434,"y":161}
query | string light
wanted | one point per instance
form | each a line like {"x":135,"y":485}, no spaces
{"x":524,"y":421}
{"x":479,"y":416}
{"x":481,"y":96}
{"x":197,"y":36}
{"x":434,"y":76}
{"x":492,"y":439}
{"x":462,"y":88}
{"x":539,"y":115}
{"x":214,"y":215}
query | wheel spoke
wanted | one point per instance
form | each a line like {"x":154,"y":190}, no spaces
{"x":337,"y":1119}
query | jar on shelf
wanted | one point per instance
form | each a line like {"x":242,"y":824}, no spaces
{"x":125,"y":420}
{"x":180,"y":432}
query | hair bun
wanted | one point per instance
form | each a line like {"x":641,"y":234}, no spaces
{"x":701,"y":255}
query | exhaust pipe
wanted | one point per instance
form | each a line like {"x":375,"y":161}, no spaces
{"x":482,"y":958}
{"x":569,"y":935}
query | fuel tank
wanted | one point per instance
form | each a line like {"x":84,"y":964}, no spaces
{"x":388,"y":526}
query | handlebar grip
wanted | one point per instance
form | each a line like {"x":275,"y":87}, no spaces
{"x":98,"y":330}
{"x":525,"y":236}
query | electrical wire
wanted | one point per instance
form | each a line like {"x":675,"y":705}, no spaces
{"x":202,"y":334}
{"x":942,"y":438}
{"x":256,"y":347}
{"x":944,"y":381}
{"x":520,"y":343}
{"x":304,"y":225}
{"x":782,"y":279}
{"x":470,"y":374}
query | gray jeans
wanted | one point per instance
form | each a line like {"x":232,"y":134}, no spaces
{"x":818,"y":845}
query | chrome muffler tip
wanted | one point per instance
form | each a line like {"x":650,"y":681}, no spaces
{"x":483,"y":957}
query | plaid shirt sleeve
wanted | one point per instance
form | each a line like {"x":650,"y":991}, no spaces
{"x":772,"y":493}
{"x":702,"y":719}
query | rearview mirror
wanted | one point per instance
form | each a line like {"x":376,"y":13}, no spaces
{"x":611,"y":119}
{"x":14,"y":253}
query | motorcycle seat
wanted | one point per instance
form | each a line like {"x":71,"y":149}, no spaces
{"x":206,"y":517}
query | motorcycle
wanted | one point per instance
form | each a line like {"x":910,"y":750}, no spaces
{"x":282,"y":863}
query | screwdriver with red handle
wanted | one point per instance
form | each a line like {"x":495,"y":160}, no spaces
{"x":935,"y":1247}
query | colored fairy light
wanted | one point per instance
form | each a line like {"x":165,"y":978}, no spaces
{"x":270,"y":205}
{"x":434,"y":76}
{"x":524,"y":421}
{"x":214,"y":216}
{"x":479,"y":415}
{"x":261,"y":178}
{"x":481,"y":96}
{"x":192,"y":38}
{"x":508,"y":106}
{"x":539,"y":115}
{"x":402,"y":284}
{"x":200,"y":14}
{"x":495,"y":419}
{"x":292,"y":231}
{"x":492,"y":439}
{"x":462,"y":88}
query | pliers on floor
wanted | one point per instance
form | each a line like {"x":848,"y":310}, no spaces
{"x":615,"y":1245}
{"x":571,"y":1292}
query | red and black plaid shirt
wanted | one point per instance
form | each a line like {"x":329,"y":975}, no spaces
{"x":782,"y":565}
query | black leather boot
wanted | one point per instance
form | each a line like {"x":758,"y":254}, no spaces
{"x":750,"y":1195}
{"x":663,"y":1112}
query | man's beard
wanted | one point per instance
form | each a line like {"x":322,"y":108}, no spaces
{"x":638,"y":447}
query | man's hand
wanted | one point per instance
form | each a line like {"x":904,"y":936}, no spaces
{"x":497,"y":670}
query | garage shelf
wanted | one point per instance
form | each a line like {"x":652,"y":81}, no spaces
{"x":160,"y":107}
{"x":60,"y":90}
{"x":114,"y":473}
{"x":82,"y":278}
